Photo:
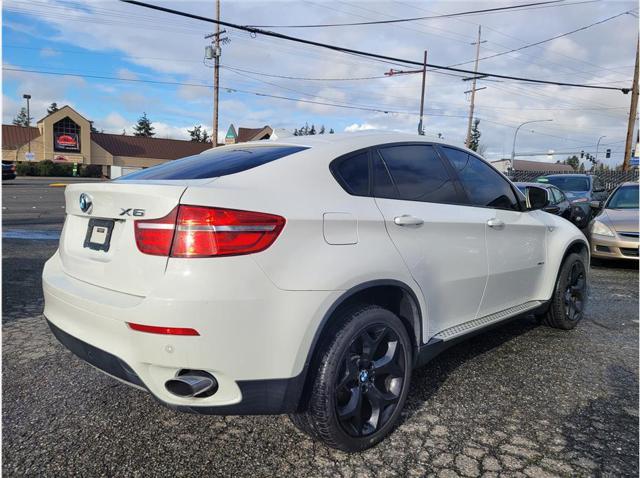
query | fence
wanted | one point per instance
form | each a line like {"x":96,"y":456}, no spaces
{"x":610,"y":179}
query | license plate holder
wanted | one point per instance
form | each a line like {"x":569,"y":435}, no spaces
{"x":98,"y":237}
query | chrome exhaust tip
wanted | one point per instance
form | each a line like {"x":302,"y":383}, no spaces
{"x":192,"y":383}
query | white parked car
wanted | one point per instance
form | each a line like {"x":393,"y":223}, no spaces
{"x":306,"y":276}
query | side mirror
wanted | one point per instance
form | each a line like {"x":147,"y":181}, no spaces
{"x":537,"y":198}
{"x":596,"y":204}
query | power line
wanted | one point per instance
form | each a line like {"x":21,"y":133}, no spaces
{"x":364,"y":53}
{"x":413,"y":19}
{"x":546,"y":40}
{"x":432,"y":113}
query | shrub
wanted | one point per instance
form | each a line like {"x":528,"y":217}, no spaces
{"x":26,"y":168}
{"x":90,"y":171}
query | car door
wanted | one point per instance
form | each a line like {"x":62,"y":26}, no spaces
{"x":441,"y":241}
{"x":516,"y":238}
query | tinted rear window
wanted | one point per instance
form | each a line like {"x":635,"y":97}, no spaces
{"x":215,"y":163}
{"x":354,"y":174}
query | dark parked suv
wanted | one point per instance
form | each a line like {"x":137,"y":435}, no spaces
{"x":580,"y":189}
{"x":8,"y":171}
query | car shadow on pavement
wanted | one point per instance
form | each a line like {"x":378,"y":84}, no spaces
{"x":428,"y":379}
{"x":603,"y":434}
{"x":614,"y":264}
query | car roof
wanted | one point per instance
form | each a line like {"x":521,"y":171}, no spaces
{"x":355,"y":140}
{"x":566,"y":176}
{"x":539,"y":185}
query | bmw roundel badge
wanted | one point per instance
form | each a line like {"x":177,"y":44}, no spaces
{"x":86,"y":203}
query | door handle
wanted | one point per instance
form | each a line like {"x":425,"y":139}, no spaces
{"x":407,"y":220}
{"x":495,"y":223}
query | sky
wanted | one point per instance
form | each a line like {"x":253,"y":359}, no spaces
{"x":110,"y":43}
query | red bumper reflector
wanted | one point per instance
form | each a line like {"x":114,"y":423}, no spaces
{"x":152,"y":329}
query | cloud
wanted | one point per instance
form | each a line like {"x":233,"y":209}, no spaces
{"x":47,"y":52}
{"x":360,"y":127}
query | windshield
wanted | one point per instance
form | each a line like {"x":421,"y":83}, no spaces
{"x":625,"y":197}
{"x":566,"y":183}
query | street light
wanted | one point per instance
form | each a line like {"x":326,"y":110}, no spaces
{"x":515,"y":135}
{"x":597,"y":147}
{"x":28,"y":97}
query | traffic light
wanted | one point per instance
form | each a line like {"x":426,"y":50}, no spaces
{"x":608,"y":155}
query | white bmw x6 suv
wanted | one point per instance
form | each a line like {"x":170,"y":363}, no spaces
{"x":306,"y":276}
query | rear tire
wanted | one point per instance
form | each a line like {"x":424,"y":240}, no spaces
{"x":361,"y":385}
{"x":569,"y":296}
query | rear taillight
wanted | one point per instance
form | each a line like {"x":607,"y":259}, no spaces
{"x":154,"y":236}
{"x":196,"y":231}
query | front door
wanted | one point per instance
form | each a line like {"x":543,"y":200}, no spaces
{"x":515,"y":237}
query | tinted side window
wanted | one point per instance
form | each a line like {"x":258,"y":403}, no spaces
{"x":354,"y":174}
{"x":484,"y":185}
{"x":214,"y":163}
{"x":417,"y":173}
{"x":557,"y":196}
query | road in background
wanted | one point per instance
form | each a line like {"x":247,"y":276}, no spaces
{"x":32,"y":201}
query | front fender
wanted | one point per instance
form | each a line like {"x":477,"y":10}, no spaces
{"x":562,"y":238}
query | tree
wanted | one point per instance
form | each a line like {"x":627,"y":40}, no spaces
{"x":53,"y":107}
{"x":143,"y":127}
{"x":124,"y":132}
{"x":92,"y":128}
{"x":474,"y":141}
{"x":581,"y":168}
{"x":306,"y":130}
{"x":574,"y":162}
{"x":21,"y":118}
{"x":199,"y":134}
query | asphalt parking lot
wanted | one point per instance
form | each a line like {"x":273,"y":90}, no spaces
{"x":520,"y":400}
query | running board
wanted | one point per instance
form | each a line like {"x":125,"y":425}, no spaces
{"x":452,"y":336}
{"x":465,"y":328}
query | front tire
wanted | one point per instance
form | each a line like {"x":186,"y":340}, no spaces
{"x":569,"y":296}
{"x":362,"y":382}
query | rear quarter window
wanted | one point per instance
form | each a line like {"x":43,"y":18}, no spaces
{"x":215,"y":163}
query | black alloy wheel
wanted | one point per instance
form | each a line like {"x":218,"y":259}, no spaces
{"x":574,"y":296}
{"x":370,"y":381}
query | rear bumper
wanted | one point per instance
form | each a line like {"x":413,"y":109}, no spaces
{"x":258,"y":396}
{"x":603,"y":247}
{"x":255,"y":345}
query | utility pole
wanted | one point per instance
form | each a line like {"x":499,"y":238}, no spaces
{"x":632,"y":114}
{"x":213,"y":52}
{"x":424,"y":78}
{"x":473,"y":87}
{"x":216,"y":78}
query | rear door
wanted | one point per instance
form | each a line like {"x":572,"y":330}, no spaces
{"x":441,"y":241}
{"x":516,"y":239}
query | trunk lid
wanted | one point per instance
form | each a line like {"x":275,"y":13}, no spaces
{"x":122,"y":267}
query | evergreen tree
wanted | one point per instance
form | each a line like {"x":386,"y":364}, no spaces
{"x":474,"y":141}
{"x":295,"y":132}
{"x":21,"y":118}
{"x":321,"y":130}
{"x":581,"y":168}
{"x":124,"y":132}
{"x":331,"y":131}
{"x":93,"y":128}
{"x":312,"y":130}
{"x":53,"y":107}
{"x":199,"y":134}
{"x":574,"y":162}
{"x":143,"y":127}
